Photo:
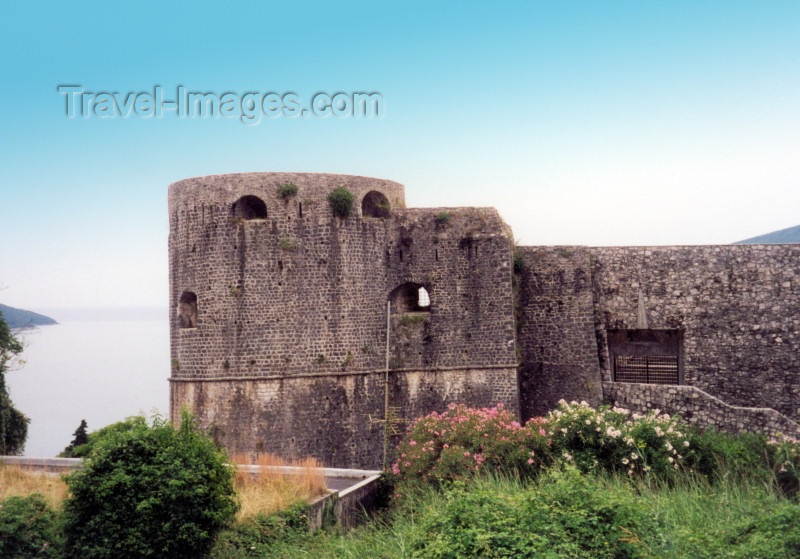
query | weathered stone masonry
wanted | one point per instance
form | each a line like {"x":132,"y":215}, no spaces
{"x":279,"y":324}
{"x":738,"y":307}
{"x":287,"y":350}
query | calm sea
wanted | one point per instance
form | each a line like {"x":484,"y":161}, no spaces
{"x":101,"y":365}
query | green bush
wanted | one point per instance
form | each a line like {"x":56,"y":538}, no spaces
{"x":716,"y":454}
{"x":151,"y":491}
{"x":564,"y":515}
{"x":773,"y":535}
{"x":256,"y":536}
{"x":341,"y":201}
{"x":97,"y":437}
{"x":28,"y":528}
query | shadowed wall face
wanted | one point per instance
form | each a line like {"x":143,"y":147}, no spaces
{"x":555,"y":325}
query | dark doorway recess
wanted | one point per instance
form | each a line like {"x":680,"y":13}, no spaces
{"x":187,"y":310}
{"x":250,"y":207}
{"x":646,"y":356}
{"x":375,"y":204}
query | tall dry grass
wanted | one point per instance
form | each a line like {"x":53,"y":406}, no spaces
{"x":268,"y":491}
{"x":271,"y":489}
{"x":14,"y":481}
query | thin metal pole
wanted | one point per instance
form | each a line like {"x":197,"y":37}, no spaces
{"x":386,"y":389}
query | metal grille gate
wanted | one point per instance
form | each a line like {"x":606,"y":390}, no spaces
{"x":650,"y":369}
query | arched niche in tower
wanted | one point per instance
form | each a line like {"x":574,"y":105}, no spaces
{"x":410,"y":297}
{"x":249,"y":207}
{"x":187,"y":310}
{"x":375,"y":204}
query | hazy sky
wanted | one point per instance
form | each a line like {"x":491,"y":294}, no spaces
{"x":596,"y":123}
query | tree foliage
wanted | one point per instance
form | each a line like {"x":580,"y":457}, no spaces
{"x":80,"y":439}
{"x":13,"y":423}
{"x":149,"y":491}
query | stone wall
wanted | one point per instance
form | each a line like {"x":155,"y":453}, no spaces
{"x":737,"y":306}
{"x":698,"y":408}
{"x":285,"y":351}
{"x":335,"y":418}
{"x":298,"y":291}
{"x":556,"y":336}
{"x":280,"y":317}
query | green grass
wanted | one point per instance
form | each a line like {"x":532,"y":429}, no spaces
{"x":567,"y":514}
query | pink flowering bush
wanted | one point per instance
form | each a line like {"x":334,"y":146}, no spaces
{"x":464,"y":441}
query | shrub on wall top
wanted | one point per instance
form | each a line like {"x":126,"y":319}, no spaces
{"x":341,"y":201}
{"x":152,"y":491}
{"x":287,"y":190}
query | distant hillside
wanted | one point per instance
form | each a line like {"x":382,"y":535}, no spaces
{"x":790,"y":235}
{"x":17,"y":318}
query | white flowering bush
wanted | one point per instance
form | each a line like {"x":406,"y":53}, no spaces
{"x":464,"y":441}
{"x":613,"y":439}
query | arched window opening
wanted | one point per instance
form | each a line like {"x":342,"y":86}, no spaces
{"x":410,"y":297}
{"x":187,"y":310}
{"x":424,"y":300}
{"x":375,"y":204}
{"x":249,"y":207}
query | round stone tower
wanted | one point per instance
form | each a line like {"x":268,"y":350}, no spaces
{"x":279,"y":311}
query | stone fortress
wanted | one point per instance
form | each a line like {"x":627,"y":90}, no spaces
{"x":280,"y":311}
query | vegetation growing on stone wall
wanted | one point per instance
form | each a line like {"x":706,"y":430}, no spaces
{"x":442,"y":218}
{"x":518,"y":262}
{"x":341,"y":201}
{"x":287,"y":244}
{"x":348,"y":359}
{"x":287,"y":190}
{"x":408,"y":319}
